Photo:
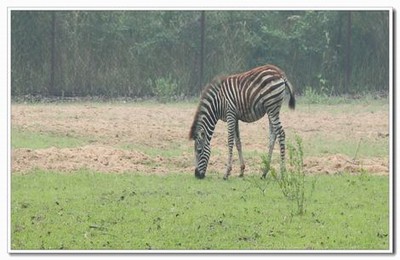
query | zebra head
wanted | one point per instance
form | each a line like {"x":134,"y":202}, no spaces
{"x":202,"y":152}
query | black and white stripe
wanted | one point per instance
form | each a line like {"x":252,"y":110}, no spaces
{"x":247,"y":97}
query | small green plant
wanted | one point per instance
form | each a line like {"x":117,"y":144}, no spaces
{"x":292,"y":183}
{"x":323,"y":85}
{"x":165,"y":89}
{"x":314,"y":97}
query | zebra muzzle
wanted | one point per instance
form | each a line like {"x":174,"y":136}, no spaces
{"x":198,"y":174}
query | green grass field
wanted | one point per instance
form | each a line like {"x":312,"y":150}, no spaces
{"x":88,"y":210}
{"x":85,"y":209}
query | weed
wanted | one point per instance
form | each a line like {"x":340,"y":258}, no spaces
{"x":292,"y":183}
{"x":314,"y":97}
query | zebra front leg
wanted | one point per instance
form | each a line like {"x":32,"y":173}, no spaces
{"x":239,"y":148}
{"x":229,"y":163}
{"x":231,"y":134}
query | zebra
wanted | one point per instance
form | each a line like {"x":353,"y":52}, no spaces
{"x":246,"y":96}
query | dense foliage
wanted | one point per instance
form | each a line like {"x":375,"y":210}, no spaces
{"x":161,"y":53}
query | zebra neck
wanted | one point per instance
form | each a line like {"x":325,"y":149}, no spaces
{"x":210,"y":109}
{"x":208,"y":116}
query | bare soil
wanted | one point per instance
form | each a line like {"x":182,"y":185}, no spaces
{"x":153,"y":138}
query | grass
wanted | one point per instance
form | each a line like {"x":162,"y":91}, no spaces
{"x":84,"y":210}
{"x":39,"y":140}
{"x":361,"y":148}
{"x":319,"y":145}
{"x":311,"y":97}
{"x":89,"y":210}
{"x":339,"y":105}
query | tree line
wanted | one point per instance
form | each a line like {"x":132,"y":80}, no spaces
{"x":175,"y":53}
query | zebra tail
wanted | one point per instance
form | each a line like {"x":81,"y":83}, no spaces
{"x":292,"y":99}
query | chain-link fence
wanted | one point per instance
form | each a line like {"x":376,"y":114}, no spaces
{"x":147,"y":53}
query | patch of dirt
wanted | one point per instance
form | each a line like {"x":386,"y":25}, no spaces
{"x":340,"y":163}
{"x":149,"y":131}
{"x":103,"y":159}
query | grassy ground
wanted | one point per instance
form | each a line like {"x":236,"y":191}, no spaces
{"x":166,"y":207}
{"x":88,"y":210}
{"x":39,"y":140}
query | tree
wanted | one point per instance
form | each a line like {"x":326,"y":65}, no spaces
{"x":137,"y":53}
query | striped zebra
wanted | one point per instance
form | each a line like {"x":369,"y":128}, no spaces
{"x":247,"y":96}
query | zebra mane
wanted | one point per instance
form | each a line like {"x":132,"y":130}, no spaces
{"x":194,"y":125}
{"x":216,"y":82}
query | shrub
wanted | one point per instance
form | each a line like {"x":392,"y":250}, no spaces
{"x":165,"y":89}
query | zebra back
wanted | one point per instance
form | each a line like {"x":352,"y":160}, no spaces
{"x":236,"y":89}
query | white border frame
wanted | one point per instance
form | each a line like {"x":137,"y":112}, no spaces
{"x":285,"y":252}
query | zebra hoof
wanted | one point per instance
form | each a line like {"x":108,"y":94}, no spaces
{"x":225,"y":177}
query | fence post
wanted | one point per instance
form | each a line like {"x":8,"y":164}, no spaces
{"x":52,"y":89}
{"x":348,"y":54}
{"x":202,"y":29}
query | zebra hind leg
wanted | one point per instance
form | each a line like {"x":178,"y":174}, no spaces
{"x":239,"y":148}
{"x":272,"y":139}
{"x":280,"y":133}
{"x":282,"y":151}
